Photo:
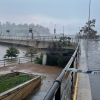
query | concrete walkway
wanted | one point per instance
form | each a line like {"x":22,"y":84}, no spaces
{"x":84,"y":90}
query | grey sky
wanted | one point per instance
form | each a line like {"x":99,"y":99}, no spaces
{"x":71,"y":14}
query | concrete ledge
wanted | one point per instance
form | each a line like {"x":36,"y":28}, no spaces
{"x":84,"y":90}
{"x":21,"y":91}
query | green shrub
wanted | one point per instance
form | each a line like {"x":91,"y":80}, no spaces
{"x":70,"y":52}
{"x":11,"y":52}
{"x":52,"y":59}
{"x":62,"y":62}
{"x":56,"y":59}
{"x":38,"y":60}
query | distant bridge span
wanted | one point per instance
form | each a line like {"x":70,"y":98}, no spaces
{"x":37,"y":41}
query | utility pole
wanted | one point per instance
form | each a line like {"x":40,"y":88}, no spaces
{"x":31,"y":31}
{"x":88,"y":27}
{"x":55,"y":31}
{"x":63,"y":31}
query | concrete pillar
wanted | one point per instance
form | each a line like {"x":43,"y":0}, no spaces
{"x":44,"y":60}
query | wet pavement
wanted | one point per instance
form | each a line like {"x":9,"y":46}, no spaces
{"x":93,"y":63}
{"x":84,"y":90}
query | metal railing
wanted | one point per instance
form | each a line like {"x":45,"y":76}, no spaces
{"x":29,"y":38}
{"x":63,"y":86}
{"x":18,"y":60}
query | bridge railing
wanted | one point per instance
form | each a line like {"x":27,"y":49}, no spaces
{"x":63,"y":86}
{"x":37,"y":38}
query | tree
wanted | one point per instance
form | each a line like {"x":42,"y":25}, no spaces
{"x":58,"y":46}
{"x":11,"y":52}
{"x":31,"y":51}
{"x":88,"y":29}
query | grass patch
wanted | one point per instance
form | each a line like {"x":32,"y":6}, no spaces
{"x":9,"y":81}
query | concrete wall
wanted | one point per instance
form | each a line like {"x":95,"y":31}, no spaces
{"x":21,"y":91}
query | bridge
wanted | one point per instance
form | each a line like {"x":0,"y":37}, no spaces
{"x":36,"y":41}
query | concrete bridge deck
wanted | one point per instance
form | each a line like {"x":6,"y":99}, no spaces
{"x":89,"y":85}
{"x":84,"y":89}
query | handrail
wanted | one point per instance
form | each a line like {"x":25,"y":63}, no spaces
{"x":57,"y":83}
{"x":30,"y":37}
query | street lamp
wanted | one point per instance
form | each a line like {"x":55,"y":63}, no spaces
{"x":8,"y":32}
{"x":31,"y":31}
{"x":55,"y":31}
{"x":63,"y":31}
{"x":89,"y":21}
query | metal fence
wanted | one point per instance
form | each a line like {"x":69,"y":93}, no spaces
{"x":18,"y":60}
{"x":63,"y":86}
{"x":40,"y":38}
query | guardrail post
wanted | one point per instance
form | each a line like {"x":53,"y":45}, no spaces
{"x":57,"y":95}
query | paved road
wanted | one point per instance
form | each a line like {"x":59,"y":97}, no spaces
{"x":93,"y":63}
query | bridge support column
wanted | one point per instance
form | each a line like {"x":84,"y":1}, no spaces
{"x":44,"y":61}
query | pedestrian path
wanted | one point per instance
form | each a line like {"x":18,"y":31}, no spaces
{"x":93,"y":62}
{"x":84,"y":90}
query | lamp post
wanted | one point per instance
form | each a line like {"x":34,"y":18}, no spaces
{"x":63,"y":31}
{"x":55,"y":31}
{"x":31,"y":31}
{"x":89,"y":21}
{"x":8,"y":32}
{"x":88,"y":28}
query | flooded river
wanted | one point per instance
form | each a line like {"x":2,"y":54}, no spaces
{"x":17,"y":60}
{"x":3,"y":49}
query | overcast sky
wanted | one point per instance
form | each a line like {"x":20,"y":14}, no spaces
{"x":71,"y":14}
